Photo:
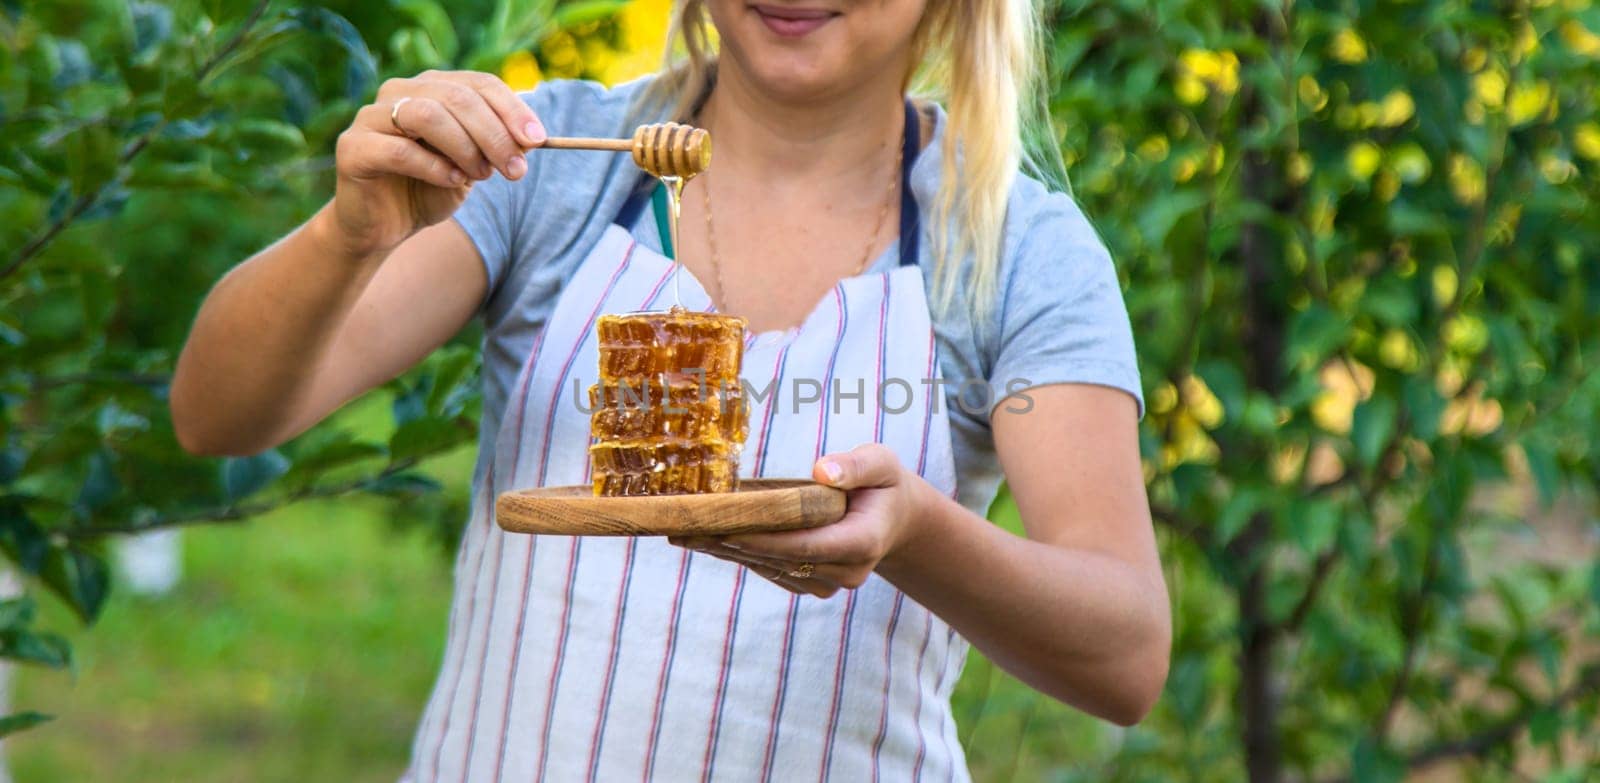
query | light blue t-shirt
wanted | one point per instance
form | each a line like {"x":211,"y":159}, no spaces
{"x":1060,"y":318}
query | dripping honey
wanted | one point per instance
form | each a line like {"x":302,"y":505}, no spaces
{"x":674,"y":188}
{"x":669,"y":411}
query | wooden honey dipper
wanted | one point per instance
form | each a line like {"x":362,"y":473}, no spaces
{"x":666,"y":149}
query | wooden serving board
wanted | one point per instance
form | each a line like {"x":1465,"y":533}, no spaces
{"x":760,"y":505}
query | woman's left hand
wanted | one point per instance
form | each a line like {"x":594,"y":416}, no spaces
{"x":882,"y":508}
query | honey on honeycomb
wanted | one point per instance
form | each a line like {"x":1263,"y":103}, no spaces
{"x":669,"y":412}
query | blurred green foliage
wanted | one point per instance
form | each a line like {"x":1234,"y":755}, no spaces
{"x":148,"y":147}
{"x":1359,"y":245}
{"x":1358,"y":242}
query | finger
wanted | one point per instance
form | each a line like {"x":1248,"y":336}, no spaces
{"x":494,"y":139}
{"x":425,"y":119}
{"x":822,"y":572}
{"x":819,"y":583}
{"x":763,"y":564}
{"x":867,"y":465}
{"x":841,"y":542}
{"x":848,"y":576}
{"x":797,"y":586}
{"x":366,"y":155}
{"x":513,"y":111}
{"x":771,"y":573}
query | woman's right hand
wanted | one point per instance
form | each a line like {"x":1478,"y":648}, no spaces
{"x":402,"y":170}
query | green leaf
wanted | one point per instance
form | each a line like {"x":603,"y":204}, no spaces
{"x":16,"y":612}
{"x":363,"y":68}
{"x":152,"y":25}
{"x":572,"y":14}
{"x":100,"y":483}
{"x":80,"y":578}
{"x":424,"y":437}
{"x":23,"y":541}
{"x":44,"y":649}
{"x":1236,"y":512}
{"x":22,"y":721}
{"x":406,"y":485}
{"x":1409,"y":220}
{"x":1546,"y":472}
{"x":184,"y":175}
{"x":228,"y":11}
{"x":1315,"y":524}
{"x":1313,"y":334}
{"x":113,"y":420}
{"x":1260,"y":415}
{"x":333,"y":455}
{"x":1189,"y":482}
{"x":415,"y":49}
{"x":1227,"y":383}
{"x":245,"y":476}
{"x":267,"y":134}
{"x":1424,"y":406}
{"x":412,"y":401}
{"x":1391,"y":301}
{"x":448,"y":375}
{"x":435,"y":23}
{"x":1549,"y":653}
{"x":1544,"y":726}
{"x":1594,"y":584}
{"x":1158,"y":220}
{"x":1373,"y":427}
{"x":1186,"y":688}
{"x":1373,"y":763}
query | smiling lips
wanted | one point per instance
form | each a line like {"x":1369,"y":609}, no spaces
{"x":793,"y":22}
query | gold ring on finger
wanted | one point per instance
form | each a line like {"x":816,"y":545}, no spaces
{"x":394,"y":116}
{"x":803,"y":571}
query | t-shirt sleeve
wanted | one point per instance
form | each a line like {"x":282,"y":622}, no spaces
{"x":491,"y":216}
{"x":493,"y":212}
{"x":1062,"y":317}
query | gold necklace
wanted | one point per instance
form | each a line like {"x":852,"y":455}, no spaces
{"x":866,"y":255}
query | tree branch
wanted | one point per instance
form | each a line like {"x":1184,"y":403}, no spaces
{"x":1368,"y":492}
{"x":1410,"y":633}
{"x":87,"y":201}
{"x":1319,"y":575}
{"x":1480,"y":743}
{"x":47,"y":382}
{"x":1181,"y":524}
{"x":237,"y":513}
{"x":1258,"y":696}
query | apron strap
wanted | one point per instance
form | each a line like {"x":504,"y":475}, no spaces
{"x":631,"y":209}
{"x":661,"y":209}
{"x":648,"y":191}
{"x":910,"y":223}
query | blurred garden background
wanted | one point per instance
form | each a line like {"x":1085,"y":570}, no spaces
{"x":1359,"y":244}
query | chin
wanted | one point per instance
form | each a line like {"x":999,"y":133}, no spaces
{"x":824,"y":52}
{"x":788,"y":80}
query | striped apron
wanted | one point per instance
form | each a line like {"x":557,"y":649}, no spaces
{"x":607,"y":659}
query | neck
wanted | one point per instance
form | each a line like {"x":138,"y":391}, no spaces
{"x":843,"y":138}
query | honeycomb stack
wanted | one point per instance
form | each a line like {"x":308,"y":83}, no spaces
{"x":669,"y":412}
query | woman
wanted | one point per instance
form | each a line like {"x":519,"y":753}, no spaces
{"x":987,"y":332}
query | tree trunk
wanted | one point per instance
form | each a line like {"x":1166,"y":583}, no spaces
{"x":1258,"y":697}
{"x":1260,"y":255}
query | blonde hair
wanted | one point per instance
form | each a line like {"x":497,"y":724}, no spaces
{"x":984,"y":60}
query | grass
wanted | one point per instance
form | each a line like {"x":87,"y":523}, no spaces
{"x":300,"y":646}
